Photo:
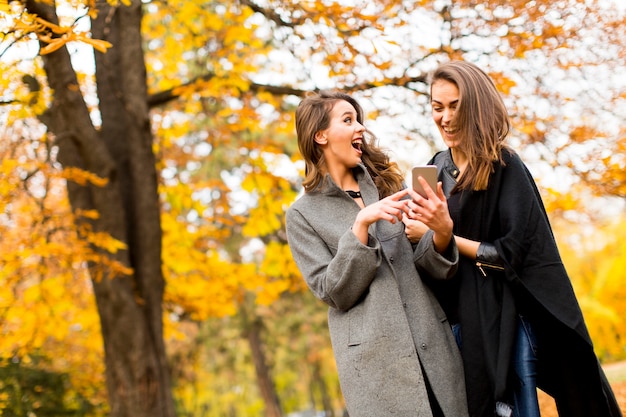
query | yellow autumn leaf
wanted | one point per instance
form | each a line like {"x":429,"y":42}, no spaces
{"x":98,"y":44}
{"x":88,"y":214}
{"x":52,"y":46}
{"x":81,"y":177}
{"x":278,"y":261}
{"x":106,"y":241}
{"x":59,"y":30}
{"x":270,"y":292}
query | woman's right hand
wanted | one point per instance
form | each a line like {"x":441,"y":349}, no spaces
{"x":433,"y":213}
{"x":391,"y":209}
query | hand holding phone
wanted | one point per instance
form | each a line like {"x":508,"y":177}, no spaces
{"x":429,"y":173}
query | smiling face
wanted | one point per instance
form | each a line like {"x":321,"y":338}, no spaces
{"x":341,"y":141}
{"x":444,"y":101}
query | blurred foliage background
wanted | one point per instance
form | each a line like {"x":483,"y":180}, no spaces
{"x":214,"y":85}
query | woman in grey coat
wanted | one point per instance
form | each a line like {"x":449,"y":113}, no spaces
{"x":395,"y":352}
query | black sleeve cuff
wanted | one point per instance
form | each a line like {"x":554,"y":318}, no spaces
{"x":487,"y":253}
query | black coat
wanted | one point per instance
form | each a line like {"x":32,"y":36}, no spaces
{"x":534,"y":283}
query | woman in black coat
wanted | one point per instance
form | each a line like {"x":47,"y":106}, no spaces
{"x":511,"y":303}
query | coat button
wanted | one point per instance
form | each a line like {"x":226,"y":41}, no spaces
{"x":423,"y":346}
{"x":404,"y":305}
{"x":391,"y":259}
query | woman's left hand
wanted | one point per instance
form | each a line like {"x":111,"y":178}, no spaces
{"x":414,"y":229}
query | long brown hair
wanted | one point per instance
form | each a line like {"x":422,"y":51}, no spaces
{"x":480,"y":120}
{"x":312,"y":116}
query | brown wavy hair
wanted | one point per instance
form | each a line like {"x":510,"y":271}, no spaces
{"x":480,"y":120}
{"x":313,"y":115}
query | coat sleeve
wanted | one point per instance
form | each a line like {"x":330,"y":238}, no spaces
{"x":339,"y":277}
{"x":434,"y":264}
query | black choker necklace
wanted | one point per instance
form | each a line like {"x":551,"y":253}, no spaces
{"x":354,"y":194}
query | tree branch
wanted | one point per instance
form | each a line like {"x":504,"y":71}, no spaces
{"x":165,"y":96}
{"x":269,"y":14}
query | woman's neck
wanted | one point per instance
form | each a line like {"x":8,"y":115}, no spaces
{"x":459,"y":158}
{"x":345,"y":179}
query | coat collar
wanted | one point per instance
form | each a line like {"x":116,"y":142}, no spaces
{"x":368,"y":189}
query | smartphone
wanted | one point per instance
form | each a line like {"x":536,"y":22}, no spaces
{"x":429,"y":173}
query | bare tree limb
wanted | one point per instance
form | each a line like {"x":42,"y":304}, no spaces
{"x":269,"y":14}
{"x":165,"y":96}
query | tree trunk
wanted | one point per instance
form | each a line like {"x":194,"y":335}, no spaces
{"x":266,"y":385}
{"x":129,"y":306}
{"x":318,"y":379}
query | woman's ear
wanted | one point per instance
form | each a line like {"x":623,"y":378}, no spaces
{"x":320,"y":138}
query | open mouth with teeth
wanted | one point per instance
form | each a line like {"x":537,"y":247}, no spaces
{"x":450,"y":130}
{"x":356,"y":144}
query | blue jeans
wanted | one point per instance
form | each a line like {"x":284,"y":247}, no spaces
{"x":456,"y":331}
{"x":525,"y":402}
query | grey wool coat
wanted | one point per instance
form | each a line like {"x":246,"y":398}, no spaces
{"x":387,"y":330}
